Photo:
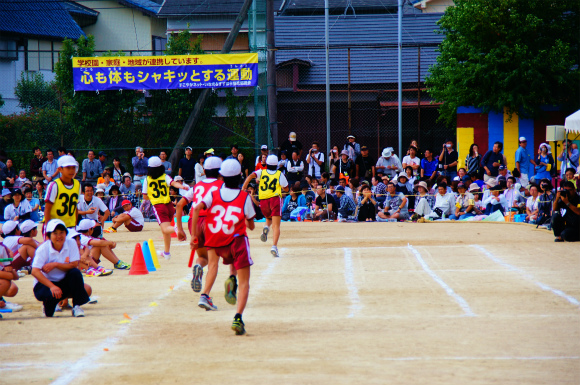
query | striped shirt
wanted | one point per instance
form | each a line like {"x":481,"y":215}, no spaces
{"x":472,"y":164}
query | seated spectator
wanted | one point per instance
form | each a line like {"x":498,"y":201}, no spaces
{"x":396,"y":205}
{"x":107,"y":182}
{"x":366,"y":205}
{"x":55,"y":271}
{"x":117,"y":171}
{"x":389,"y":163}
{"x":478,"y":207}
{"x":532,"y":205}
{"x":291,"y":202}
{"x":569,"y":176}
{"x":465,"y":203}
{"x":127,"y":187}
{"x":131,"y":217}
{"x":18,"y":211}
{"x":412,"y":161}
{"x":424,"y":202}
{"x":476,"y":178}
{"x":7,"y":277}
{"x":114,"y":201}
{"x":19,"y":182}
{"x":325,"y":180}
{"x":429,"y":165}
{"x":353,"y":185}
{"x":344,"y":166}
{"x":39,"y":193}
{"x":308,"y":194}
{"x":379,"y":189}
{"x":100,"y":193}
{"x":495,"y":202}
{"x":444,"y":203}
{"x":34,"y":203}
{"x":5,"y":202}
{"x":410,"y":177}
{"x":406,"y":188}
{"x":8,"y":174}
{"x":175,"y":197}
{"x":566,"y":226}
{"x":545,"y":202}
{"x":98,"y":246}
{"x":365,"y":165}
{"x":461,"y":173}
{"x":346,"y":205}
{"x":342,"y":182}
{"x":324,"y":206}
{"x":511,"y":195}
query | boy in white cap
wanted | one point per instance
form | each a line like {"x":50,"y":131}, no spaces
{"x":156,"y":190}
{"x":62,"y":194}
{"x":229,"y":212}
{"x":99,"y":246}
{"x":55,"y":271}
{"x":271,"y":184}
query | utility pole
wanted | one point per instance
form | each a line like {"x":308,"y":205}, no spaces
{"x":271,"y":69}
{"x":205,"y":94}
{"x":327,"y":77}
{"x":400,"y":44}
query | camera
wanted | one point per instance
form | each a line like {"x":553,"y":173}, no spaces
{"x":564,"y":193}
{"x":309,"y":200}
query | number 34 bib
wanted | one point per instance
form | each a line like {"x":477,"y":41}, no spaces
{"x":269,"y":186}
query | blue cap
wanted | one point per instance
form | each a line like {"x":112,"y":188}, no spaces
{"x":5,"y":192}
{"x":339,"y":189}
{"x":466,"y":178}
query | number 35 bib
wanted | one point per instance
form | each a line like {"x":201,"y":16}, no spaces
{"x":269,"y":186}
{"x":157,"y":190}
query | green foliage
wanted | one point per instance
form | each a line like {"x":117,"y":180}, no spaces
{"x":1,"y":101}
{"x":237,"y":121}
{"x":34,"y":93}
{"x":507,"y":53}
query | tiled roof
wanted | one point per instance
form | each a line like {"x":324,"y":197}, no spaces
{"x":38,"y":18}
{"x":147,"y":6}
{"x":374,"y":41}
{"x":204,"y":7}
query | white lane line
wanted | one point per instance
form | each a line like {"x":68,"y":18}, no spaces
{"x":528,"y":276}
{"x":91,"y":358}
{"x":255,"y":289}
{"x":459,"y":299}
{"x":355,"y":305}
{"x":500,"y":358}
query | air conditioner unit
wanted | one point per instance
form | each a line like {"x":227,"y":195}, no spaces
{"x":555,"y":133}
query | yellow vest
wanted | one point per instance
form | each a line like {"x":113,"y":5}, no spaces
{"x":269,"y":185}
{"x":65,"y":204}
{"x":157,"y":190}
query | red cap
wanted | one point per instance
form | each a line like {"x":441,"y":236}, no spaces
{"x":125,"y":202}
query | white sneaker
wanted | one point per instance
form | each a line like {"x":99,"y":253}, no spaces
{"x":13,"y":306}
{"x":21,"y":274}
{"x":206,"y":303}
{"x":167,"y":256}
{"x":93,"y":299}
{"x":57,"y":308}
{"x":274,"y":251}
{"x":77,"y":311}
{"x":264,"y":236}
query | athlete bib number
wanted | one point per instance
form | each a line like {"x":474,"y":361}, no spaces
{"x":268,"y":185}
{"x":69,"y":205}
{"x":224,"y":220}
{"x":199,"y":194}
{"x":159,"y":189}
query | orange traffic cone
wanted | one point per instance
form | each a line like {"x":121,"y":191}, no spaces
{"x":138,"y":266}
{"x":174,"y":234}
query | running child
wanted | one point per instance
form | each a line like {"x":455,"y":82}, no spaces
{"x":195,"y":196}
{"x":156,"y":190}
{"x":271,"y":184}
{"x":229,"y":212}
{"x":62,"y":195}
{"x":132,"y":218}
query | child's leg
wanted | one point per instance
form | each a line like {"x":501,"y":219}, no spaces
{"x":89,"y":290}
{"x":121,"y":219}
{"x":26,"y":254}
{"x":73,"y":286}
{"x":109,"y":254}
{"x":243,"y":288}
{"x":5,"y":287}
{"x":167,"y":230}
{"x":201,"y":257}
{"x":213,"y":261}
{"x":275,"y":223}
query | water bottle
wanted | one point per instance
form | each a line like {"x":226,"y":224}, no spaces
{"x":443,"y":217}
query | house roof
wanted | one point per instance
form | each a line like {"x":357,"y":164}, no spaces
{"x":205,"y":7}
{"x":38,"y":18}
{"x":373,"y":42}
{"x":148,"y":7}
{"x":344,"y":6}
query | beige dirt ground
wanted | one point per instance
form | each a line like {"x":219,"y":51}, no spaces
{"x":345,"y":303}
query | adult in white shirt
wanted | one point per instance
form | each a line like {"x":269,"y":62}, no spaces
{"x":444,"y":203}
{"x":412,"y":160}
{"x":314,"y":159}
{"x":495,"y":202}
{"x":55,"y":271}
{"x":511,"y":195}
{"x":132,"y":218}
{"x":199,"y":172}
{"x":532,"y":209}
{"x":19,"y":210}
{"x":89,"y":207}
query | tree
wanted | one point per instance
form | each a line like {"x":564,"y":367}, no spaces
{"x":237,"y":120}
{"x":507,"y":53}
{"x":34,"y":93}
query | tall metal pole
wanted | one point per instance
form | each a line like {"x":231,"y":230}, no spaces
{"x":400,"y":43}
{"x":327,"y":78}
{"x":271,"y":77}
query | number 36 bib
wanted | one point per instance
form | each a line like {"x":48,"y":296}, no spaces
{"x":269,"y":186}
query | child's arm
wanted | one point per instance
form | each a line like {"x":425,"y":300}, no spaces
{"x":102,"y":243}
{"x":248,"y":180}
{"x":28,"y":241}
{"x":194,"y":218}
{"x":179,"y":213}
{"x":56,"y":292}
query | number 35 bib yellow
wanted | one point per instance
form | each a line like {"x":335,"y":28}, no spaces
{"x":157,"y":190}
{"x":269,"y":186}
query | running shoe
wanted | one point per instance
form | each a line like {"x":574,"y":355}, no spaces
{"x":238,"y":327}
{"x":206,"y":303}
{"x":92,"y":272}
{"x":104,"y":272}
{"x":57,"y":308}
{"x":274,"y":251}
{"x":167,"y":256}
{"x":264,"y":236}
{"x":12,"y":306}
{"x":231,"y":286}
{"x":197,"y":275}
{"x":110,"y":230}
{"x":93,"y":300}
{"x":122,"y":265}
{"x":77,"y":311}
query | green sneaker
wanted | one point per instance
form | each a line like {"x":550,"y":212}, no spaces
{"x":122,"y":265}
{"x":238,"y":327}
{"x":231,"y":286}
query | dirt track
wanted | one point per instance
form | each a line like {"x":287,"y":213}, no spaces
{"x":345,"y":303}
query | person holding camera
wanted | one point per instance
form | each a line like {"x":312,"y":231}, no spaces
{"x":352,"y":147}
{"x":92,"y":168}
{"x":139,"y":162}
{"x":448,"y":160}
{"x":315,"y":159}
{"x":566,"y":214}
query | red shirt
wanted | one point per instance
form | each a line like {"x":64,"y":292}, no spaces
{"x":225,"y":220}
{"x":199,"y":192}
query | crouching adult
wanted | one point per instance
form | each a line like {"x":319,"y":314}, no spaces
{"x":55,"y":271}
{"x":566,"y":214}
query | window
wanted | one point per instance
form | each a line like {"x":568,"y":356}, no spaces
{"x":8,"y":50}
{"x":158,"y":45}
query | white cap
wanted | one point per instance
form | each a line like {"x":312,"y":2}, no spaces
{"x":178,"y":178}
{"x":264,"y":147}
{"x":53,"y":224}
{"x":9,"y":227}
{"x":231,"y":167}
{"x":66,"y":161}
{"x":99,"y":190}
{"x":212,"y":163}
{"x":154,"y":161}
{"x":387,"y":152}
{"x":72,"y":233}
{"x":86,"y":224}
{"x":27,"y":225}
{"x":272,"y":160}
{"x":403,"y":174}
{"x":456,"y":178}
{"x":292,"y":137}
{"x":523,"y":139}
